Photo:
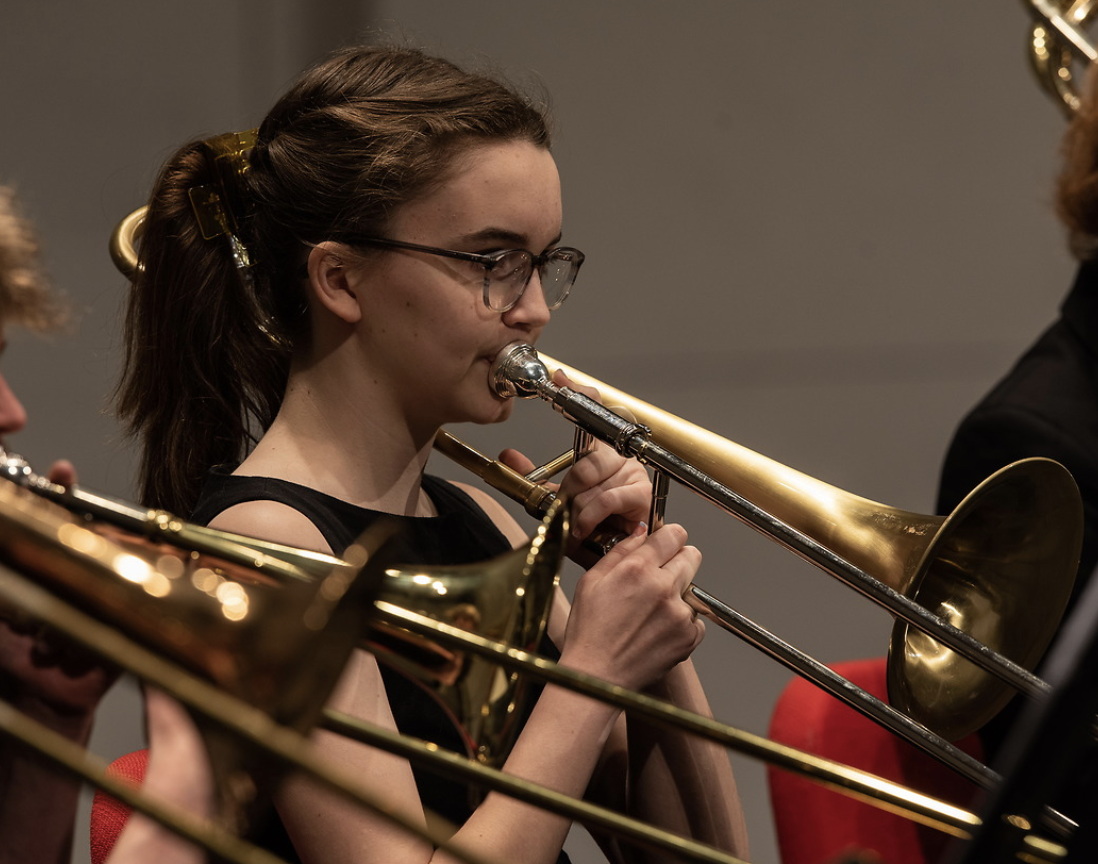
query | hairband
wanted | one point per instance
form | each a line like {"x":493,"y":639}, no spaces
{"x":213,"y":203}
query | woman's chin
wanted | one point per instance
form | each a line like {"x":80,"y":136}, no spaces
{"x":500,"y":412}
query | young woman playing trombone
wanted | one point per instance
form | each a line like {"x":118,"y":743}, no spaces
{"x":313,"y":305}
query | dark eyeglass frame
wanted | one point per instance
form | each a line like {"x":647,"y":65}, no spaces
{"x":492,"y":260}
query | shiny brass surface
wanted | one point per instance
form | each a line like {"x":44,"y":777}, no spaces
{"x":851,"y":781}
{"x":534,"y":497}
{"x":277,"y":746}
{"x":278,"y":648}
{"x":1000,"y":567}
{"x":123,"y":243}
{"x":163,"y":532}
{"x":798,"y":662}
{"x":70,"y":558}
{"x":507,"y":600}
{"x":1057,"y":45}
{"x":255,"y":661}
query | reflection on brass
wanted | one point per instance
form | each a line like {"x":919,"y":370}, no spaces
{"x":123,"y":243}
{"x":247,"y":656}
{"x":506,"y":599}
{"x":1057,"y":43}
{"x":167,"y":535}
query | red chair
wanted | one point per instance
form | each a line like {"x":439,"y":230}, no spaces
{"x":816,"y":825}
{"x":109,"y":815}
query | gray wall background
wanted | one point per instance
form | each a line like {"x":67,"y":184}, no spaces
{"x":819,"y":229}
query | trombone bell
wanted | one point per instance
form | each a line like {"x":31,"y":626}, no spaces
{"x":277,"y":648}
{"x":506,"y":599}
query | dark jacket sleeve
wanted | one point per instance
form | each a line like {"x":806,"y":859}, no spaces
{"x":993,"y":436}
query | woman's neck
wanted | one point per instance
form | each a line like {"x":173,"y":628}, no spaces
{"x":341,"y":436}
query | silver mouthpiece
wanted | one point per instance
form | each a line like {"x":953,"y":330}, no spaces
{"x":518,"y":371}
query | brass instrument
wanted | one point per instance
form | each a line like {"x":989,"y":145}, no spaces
{"x":988,"y":537}
{"x":506,"y":599}
{"x":261,"y":558}
{"x":253,"y":644}
{"x":253,"y":658}
{"x":76,"y":563}
{"x":1011,"y":547}
{"x":1057,"y":40}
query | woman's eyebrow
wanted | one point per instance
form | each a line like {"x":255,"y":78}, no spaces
{"x":502,"y":235}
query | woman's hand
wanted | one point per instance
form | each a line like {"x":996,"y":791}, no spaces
{"x":62,"y":473}
{"x":606,"y":490}
{"x":177,"y":774}
{"x":41,"y":671}
{"x":47,"y":674}
{"x":629,"y":623}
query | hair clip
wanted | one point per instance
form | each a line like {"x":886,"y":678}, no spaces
{"x":212,"y":203}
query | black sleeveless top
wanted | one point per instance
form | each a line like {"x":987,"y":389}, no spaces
{"x":461,"y":533}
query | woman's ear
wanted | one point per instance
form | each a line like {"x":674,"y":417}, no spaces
{"x":332,"y":279}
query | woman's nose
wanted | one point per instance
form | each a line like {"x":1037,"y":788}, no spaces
{"x":531,"y":309}
{"x":13,"y":416}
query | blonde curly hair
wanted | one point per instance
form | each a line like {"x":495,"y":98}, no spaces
{"x":25,"y":295}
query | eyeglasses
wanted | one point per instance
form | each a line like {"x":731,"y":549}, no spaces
{"x":507,"y":273}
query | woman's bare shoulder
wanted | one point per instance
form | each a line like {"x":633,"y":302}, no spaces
{"x":273,"y":521}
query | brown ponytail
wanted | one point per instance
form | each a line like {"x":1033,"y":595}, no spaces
{"x":202,"y":370}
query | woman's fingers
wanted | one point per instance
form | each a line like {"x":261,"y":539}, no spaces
{"x":630,"y":623}
{"x":63,"y":473}
{"x":516,"y":461}
{"x":604,"y":484}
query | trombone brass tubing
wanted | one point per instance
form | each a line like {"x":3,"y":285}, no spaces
{"x":253,"y":727}
{"x":1052,"y":59}
{"x":463,"y":769}
{"x":281,"y":563}
{"x":124,"y":255}
{"x":1031,"y":508}
{"x":123,"y":243}
{"x":505,"y":598}
{"x":873,"y":790}
{"x":77,"y":761}
{"x":797,"y":661}
{"x":849,"y":781}
{"x":908,"y":533}
{"x":1050,"y":13}
{"x":534,"y":497}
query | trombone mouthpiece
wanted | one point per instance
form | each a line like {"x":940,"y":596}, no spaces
{"x":518,"y":371}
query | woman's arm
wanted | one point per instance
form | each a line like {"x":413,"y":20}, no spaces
{"x":681,"y":782}
{"x":669,"y":779}
{"x":629,"y":625}
{"x":57,"y":684}
{"x":177,"y":774}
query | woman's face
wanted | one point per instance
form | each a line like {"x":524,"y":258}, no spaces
{"x":425,"y":331}
{"x":13,"y":416}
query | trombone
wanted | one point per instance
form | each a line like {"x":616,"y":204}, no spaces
{"x":1022,"y":526}
{"x":62,"y":552}
{"x":248,"y":657}
{"x":1056,"y":40}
